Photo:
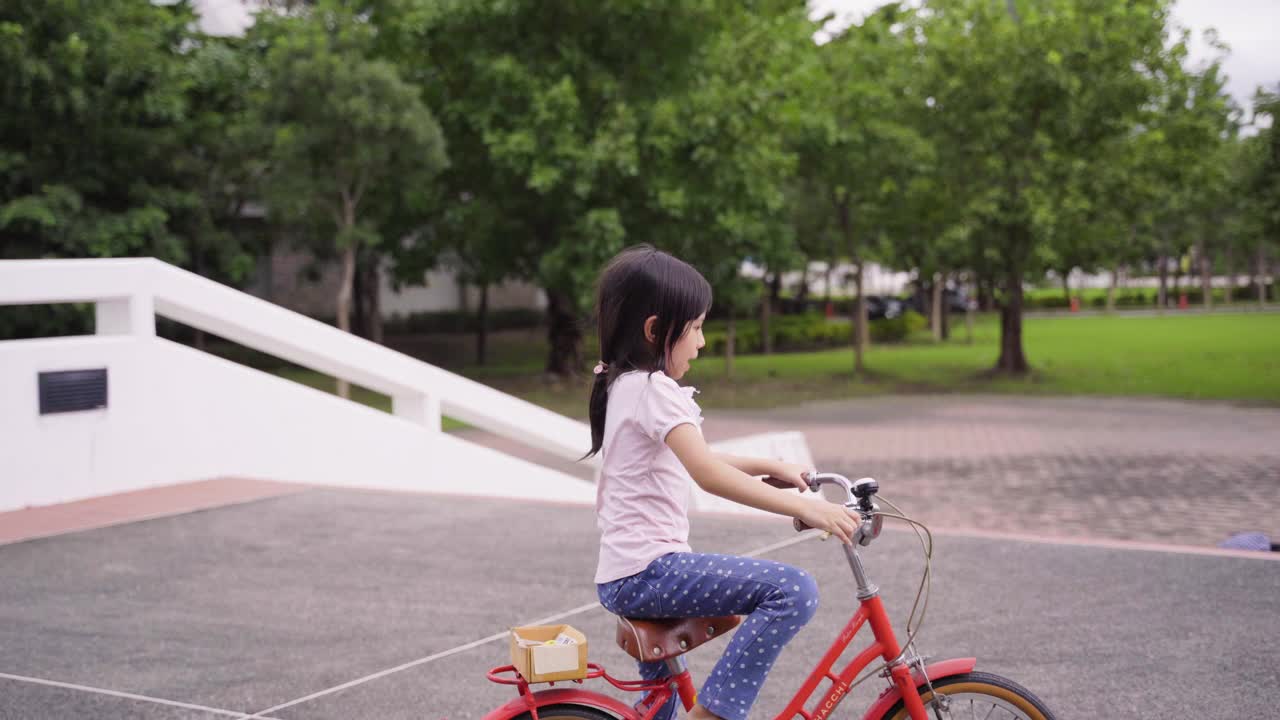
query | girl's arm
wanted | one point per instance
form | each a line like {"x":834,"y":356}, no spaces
{"x":748,"y":465}
{"x":788,"y":472}
{"x":723,"y":479}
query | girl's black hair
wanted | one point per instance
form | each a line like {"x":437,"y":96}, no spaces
{"x":638,"y":283}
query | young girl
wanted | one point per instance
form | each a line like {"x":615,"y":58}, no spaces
{"x":651,"y":307}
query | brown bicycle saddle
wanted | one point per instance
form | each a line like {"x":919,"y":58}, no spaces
{"x":649,"y":639}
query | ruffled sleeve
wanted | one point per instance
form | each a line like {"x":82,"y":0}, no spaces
{"x":664,"y":406}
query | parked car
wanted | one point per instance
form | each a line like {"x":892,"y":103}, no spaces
{"x":881,"y":307}
{"x":955,"y":301}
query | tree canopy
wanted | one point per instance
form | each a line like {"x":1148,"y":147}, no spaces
{"x":994,"y":141}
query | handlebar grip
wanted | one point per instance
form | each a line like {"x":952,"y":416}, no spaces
{"x":800,"y":525}
{"x":780,"y":484}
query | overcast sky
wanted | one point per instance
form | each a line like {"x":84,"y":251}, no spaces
{"x":1249,"y":27}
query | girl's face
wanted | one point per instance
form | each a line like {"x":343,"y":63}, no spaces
{"x":686,"y":348}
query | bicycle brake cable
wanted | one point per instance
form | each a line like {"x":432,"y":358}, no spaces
{"x":924,"y":589}
{"x":926,"y":577}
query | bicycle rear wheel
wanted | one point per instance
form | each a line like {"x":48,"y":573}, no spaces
{"x":569,"y":711}
{"x":981,"y":695}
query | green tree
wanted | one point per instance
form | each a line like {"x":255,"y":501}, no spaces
{"x":222,"y":157}
{"x":716,"y":168}
{"x":1028,"y":88}
{"x":92,"y":107}
{"x":351,"y":141}
{"x":548,"y":110}
{"x":857,"y":141}
{"x":1264,"y":184}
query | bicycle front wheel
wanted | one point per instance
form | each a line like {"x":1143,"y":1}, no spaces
{"x":569,"y":711}
{"x":980,"y":695}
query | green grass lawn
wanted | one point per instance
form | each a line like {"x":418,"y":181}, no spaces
{"x":1208,"y":357}
{"x":1218,"y":357}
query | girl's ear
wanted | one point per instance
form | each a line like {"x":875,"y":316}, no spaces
{"x":649,"y":323}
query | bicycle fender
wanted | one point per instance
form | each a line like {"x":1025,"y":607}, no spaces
{"x":935,"y":671}
{"x":521,"y":705}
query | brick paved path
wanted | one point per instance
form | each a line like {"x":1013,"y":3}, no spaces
{"x":1094,"y":468}
{"x":1120,"y":469}
{"x":1099,"y":468}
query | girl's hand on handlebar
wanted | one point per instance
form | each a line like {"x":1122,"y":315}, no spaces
{"x":790,"y":474}
{"x":835,"y":519}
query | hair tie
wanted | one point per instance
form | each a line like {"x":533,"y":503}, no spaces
{"x":599,"y":368}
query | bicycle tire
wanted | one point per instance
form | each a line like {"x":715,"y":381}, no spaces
{"x":569,"y":711}
{"x":1015,"y":700}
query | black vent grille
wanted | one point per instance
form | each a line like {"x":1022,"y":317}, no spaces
{"x":72,"y":390}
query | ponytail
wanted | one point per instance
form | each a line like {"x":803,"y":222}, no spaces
{"x":596,"y":409}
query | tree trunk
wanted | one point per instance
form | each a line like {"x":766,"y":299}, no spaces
{"x":1066,"y":286}
{"x":1230,"y":262}
{"x":1012,"y":7}
{"x":945,"y":310}
{"x":859,"y":310}
{"x":1262,"y":272}
{"x":565,"y":358}
{"x":802,"y":293}
{"x":366,"y":311}
{"x":766,"y":309}
{"x":373,"y":301}
{"x":775,"y":293}
{"x":199,"y":339}
{"x":968,"y":323}
{"x":935,"y":306}
{"x":358,"y":300}
{"x":986,"y":298}
{"x":1177,"y":282}
{"x":859,"y":320}
{"x":1012,"y":361}
{"x":1111,"y":289}
{"x":345,"y":288}
{"x":831,"y":264}
{"x":1206,"y":275}
{"x":482,"y":325}
{"x":730,"y":340}
{"x":1162,"y":294}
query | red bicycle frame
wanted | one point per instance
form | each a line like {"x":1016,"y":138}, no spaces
{"x":885,"y":645}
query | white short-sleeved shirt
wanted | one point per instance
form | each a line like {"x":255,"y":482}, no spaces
{"x":642,"y":499}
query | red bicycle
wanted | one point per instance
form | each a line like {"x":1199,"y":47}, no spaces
{"x":916,"y":690}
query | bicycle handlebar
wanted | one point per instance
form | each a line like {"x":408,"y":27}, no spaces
{"x":863,"y":490}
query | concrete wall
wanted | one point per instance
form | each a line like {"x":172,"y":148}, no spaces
{"x":176,"y":414}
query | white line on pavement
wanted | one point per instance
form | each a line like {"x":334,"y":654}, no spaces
{"x":117,"y":693}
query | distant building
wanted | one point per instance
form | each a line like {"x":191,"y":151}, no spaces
{"x":296,"y":280}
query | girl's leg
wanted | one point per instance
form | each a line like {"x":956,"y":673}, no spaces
{"x":778,"y":598}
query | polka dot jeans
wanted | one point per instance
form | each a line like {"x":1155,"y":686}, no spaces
{"x":779,"y":599}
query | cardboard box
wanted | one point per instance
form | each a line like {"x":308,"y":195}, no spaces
{"x":547,"y":663}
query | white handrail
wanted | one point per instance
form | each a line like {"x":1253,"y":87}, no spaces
{"x":419,"y":391}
